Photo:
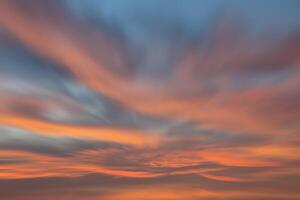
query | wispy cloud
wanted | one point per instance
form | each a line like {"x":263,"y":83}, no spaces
{"x":149,"y":100}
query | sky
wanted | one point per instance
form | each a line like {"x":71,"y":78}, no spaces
{"x":149,"y":99}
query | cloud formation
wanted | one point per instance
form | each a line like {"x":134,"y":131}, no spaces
{"x":131,"y":99}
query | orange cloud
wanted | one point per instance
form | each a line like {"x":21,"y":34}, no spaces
{"x":33,"y":165}
{"x":233,"y":111}
{"x":118,"y":135}
{"x":214,"y":87}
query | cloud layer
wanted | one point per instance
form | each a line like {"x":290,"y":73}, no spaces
{"x":149,"y":100}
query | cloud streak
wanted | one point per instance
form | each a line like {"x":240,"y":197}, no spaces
{"x":129,"y":98}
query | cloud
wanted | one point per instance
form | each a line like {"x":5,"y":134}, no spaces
{"x":121,"y":99}
{"x":18,"y":139}
{"x":231,"y":66}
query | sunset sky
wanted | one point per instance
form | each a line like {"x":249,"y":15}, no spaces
{"x":149,"y":99}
